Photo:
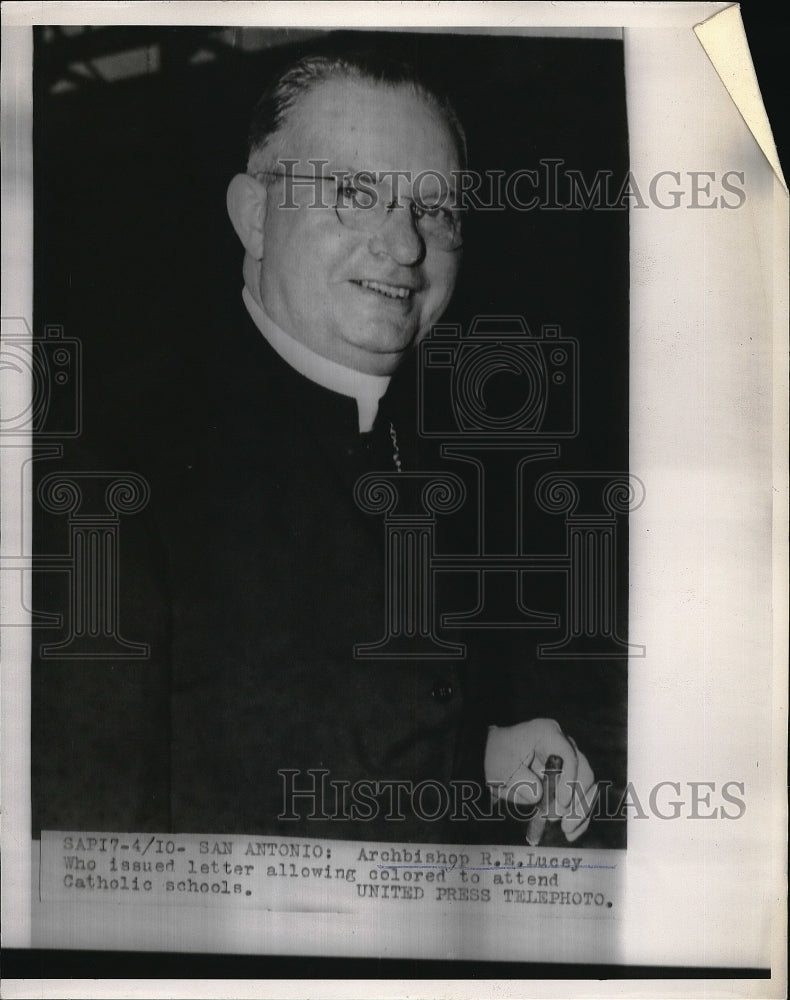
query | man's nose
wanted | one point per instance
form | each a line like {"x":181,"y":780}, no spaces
{"x":397,"y":236}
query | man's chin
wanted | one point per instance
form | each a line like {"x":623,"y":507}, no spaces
{"x":381,"y":336}
{"x":378,"y":352}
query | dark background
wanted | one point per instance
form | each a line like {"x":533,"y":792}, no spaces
{"x":766,"y":28}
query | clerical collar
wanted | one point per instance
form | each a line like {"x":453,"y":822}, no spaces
{"x":366,"y":389}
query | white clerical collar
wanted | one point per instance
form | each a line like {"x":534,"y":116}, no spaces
{"x":366,"y":389}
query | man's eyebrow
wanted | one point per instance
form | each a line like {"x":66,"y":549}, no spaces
{"x":345,"y":171}
{"x":431,"y":193}
{"x":439,"y":193}
{"x":428,"y":192}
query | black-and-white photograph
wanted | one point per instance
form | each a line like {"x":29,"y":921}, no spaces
{"x":357,"y":387}
{"x":362,"y":469}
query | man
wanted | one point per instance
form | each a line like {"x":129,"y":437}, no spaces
{"x":342,"y":283}
{"x":255,"y":716}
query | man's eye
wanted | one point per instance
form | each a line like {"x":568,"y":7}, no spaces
{"x":436,"y":213}
{"x":353,"y":197}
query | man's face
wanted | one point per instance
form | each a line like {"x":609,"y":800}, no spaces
{"x":315,"y":273}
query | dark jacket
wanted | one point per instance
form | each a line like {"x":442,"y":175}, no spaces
{"x":253,"y":573}
{"x":278,"y":574}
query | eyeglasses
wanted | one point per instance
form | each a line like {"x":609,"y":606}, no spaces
{"x":363,"y":207}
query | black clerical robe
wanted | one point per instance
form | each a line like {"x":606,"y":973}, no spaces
{"x":252,"y":574}
{"x":276,"y":575}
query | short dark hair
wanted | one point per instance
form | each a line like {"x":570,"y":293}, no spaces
{"x":273,"y":110}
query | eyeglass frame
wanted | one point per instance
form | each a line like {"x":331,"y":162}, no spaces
{"x":336,"y":179}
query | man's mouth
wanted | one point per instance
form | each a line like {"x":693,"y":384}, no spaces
{"x":385,"y":289}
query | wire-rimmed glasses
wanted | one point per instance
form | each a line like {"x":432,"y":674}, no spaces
{"x":360,"y":204}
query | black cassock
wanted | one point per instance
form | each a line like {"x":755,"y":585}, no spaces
{"x":253,"y":573}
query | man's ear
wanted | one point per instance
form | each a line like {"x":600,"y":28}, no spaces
{"x":246,"y":201}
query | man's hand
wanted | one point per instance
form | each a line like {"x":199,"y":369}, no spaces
{"x":515,"y":762}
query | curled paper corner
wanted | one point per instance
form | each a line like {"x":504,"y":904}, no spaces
{"x":723,"y":38}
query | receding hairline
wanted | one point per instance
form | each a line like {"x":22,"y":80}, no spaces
{"x":264,"y":154}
